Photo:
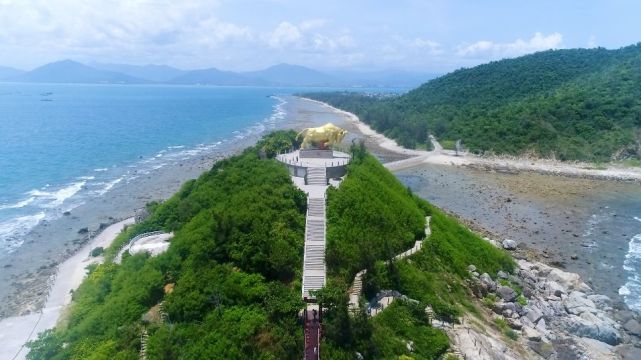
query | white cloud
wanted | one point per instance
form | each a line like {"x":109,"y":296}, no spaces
{"x":312,"y":24}
{"x":284,"y":35}
{"x":302,"y":37}
{"x":492,"y":50}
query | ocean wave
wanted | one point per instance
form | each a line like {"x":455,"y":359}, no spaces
{"x":100,"y":169}
{"x":13,"y":230}
{"x":58,"y":197}
{"x":108,"y":186}
{"x":19,"y":204}
{"x":631,"y":291}
{"x":637,"y":218}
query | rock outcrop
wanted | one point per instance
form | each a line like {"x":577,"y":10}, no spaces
{"x":556,"y":314}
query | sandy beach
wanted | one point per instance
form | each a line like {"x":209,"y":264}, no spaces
{"x":16,"y":331}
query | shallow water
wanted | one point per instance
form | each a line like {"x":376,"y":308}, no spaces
{"x":559,"y":217}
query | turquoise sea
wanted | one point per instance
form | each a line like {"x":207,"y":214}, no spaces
{"x":61,"y":145}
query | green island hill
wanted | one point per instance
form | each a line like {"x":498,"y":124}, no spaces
{"x":228,"y":287}
{"x":569,"y":104}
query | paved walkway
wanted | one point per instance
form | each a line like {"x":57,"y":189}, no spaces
{"x":357,"y":285}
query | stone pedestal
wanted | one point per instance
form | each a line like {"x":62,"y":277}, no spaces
{"x":316,"y":154}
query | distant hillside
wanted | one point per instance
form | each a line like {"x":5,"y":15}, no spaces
{"x":292,"y":75}
{"x":8,"y":72}
{"x":215,"y":77}
{"x":155,"y":73}
{"x":573,"y":104}
{"x":383,"y":78}
{"x":68,"y":71}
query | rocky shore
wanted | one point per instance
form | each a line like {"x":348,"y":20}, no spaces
{"x":545,"y":312}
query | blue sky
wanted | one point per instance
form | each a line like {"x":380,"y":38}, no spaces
{"x":434,"y":36}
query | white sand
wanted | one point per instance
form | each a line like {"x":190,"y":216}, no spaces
{"x":448,"y":157}
{"x":16,"y":331}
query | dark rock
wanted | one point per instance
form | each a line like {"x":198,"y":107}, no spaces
{"x":84,"y":230}
{"x":574,"y":257}
{"x":506,"y":293}
{"x":633,"y":327}
{"x":542,"y":348}
{"x":66,"y":213}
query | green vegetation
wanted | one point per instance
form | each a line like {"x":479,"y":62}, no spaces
{"x":371,"y":218}
{"x":229,"y":285}
{"x":235,"y":261}
{"x":573,"y":104}
{"x":97,"y":251}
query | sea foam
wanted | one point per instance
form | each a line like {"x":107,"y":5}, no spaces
{"x":58,"y":197}
{"x":631,"y":291}
{"x":13,"y":230}
{"x":19,"y":204}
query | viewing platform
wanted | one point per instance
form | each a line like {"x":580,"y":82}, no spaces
{"x":298,"y":162}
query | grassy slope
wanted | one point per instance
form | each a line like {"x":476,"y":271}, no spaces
{"x":372,"y":217}
{"x":576,"y":104}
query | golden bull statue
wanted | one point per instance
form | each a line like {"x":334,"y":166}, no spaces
{"x":322,"y":137}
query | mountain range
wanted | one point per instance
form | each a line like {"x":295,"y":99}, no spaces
{"x":286,"y":75}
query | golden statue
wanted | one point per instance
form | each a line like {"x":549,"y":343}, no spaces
{"x":321,"y":137}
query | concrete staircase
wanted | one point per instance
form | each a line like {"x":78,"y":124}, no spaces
{"x":143,"y":344}
{"x":317,"y":176}
{"x":314,"y":261}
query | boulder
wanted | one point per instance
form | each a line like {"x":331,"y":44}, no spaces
{"x":533,"y":314}
{"x":509,"y":244}
{"x":577,"y":303}
{"x":506,"y":293}
{"x":487,"y":282}
{"x":551,"y":288}
{"x":542,"y":348}
{"x":570,"y":281}
{"x":531,"y":334}
{"x":471,"y":268}
{"x":542,"y":326}
{"x":590,"y":326}
{"x":507,"y":313}
{"x":515,"y":324}
{"x":502,"y":274}
{"x":633,"y":327}
{"x":601,"y":301}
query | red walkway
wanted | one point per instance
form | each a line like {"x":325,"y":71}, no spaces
{"x":312,"y":335}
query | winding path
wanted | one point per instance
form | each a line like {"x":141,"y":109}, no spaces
{"x":357,"y":285}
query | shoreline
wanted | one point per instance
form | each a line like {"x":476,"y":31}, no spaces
{"x":494,"y":163}
{"x":16,"y":331}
